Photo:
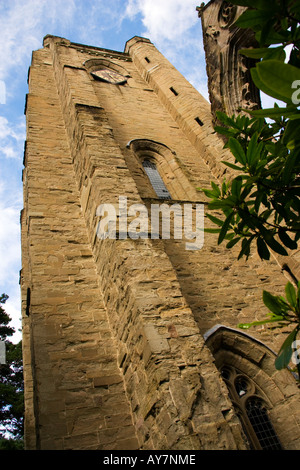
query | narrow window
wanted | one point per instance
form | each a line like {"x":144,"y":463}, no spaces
{"x":174,"y":91}
{"x":251,"y":410}
{"x":28,"y":301}
{"x":156,"y":180}
{"x":262,"y":426}
{"x":198,"y":121}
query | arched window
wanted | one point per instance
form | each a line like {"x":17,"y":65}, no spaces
{"x":251,"y":409}
{"x":160,"y":174}
{"x":259,"y":393}
{"x":155,"y":179}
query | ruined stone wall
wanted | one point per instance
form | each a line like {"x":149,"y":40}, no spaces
{"x":114,"y":353}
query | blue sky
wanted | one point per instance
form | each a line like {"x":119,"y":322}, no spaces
{"x":172,"y":25}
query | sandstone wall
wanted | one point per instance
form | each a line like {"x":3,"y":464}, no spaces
{"x":114,"y":353}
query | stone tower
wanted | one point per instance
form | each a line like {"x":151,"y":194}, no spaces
{"x":131,"y":342}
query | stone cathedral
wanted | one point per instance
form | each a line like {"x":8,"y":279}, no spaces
{"x":131,"y":342}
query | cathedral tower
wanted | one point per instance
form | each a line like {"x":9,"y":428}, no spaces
{"x":129,"y":332}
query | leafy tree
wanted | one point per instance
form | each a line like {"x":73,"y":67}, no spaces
{"x":260,"y":207}
{"x":11,"y":386}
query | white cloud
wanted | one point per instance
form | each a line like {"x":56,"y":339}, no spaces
{"x":167,"y":19}
{"x":9,"y":240}
{"x":22,"y":28}
{"x":10,"y":259}
{"x":175,"y":29}
{"x":11,"y":150}
{"x":7,"y":130}
{"x":12,"y":137}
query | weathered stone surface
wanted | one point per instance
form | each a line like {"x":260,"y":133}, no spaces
{"x":229,"y":80}
{"x":114,"y":352}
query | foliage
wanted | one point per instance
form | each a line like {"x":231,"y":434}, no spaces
{"x":11,"y":444}
{"x":284,"y":312}
{"x":11,"y":385}
{"x":260,"y":207}
{"x":5,"y":329}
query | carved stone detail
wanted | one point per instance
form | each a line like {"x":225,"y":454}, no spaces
{"x":229,"y":79}
{"x":227,"y":14}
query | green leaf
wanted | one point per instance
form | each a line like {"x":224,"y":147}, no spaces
{"x":216,"y":189}
{"x":269,"y":5}
{"x":246,"y":3}
{"x":237,"y":150}
{"x":212,"y":230}
{"x":291,"y":294}
{"x":295,"y":8}
{"x":265,"y":29}
{"x":258,"y":124}
{"x":275,"y":246}
{"x":215,"y":220}
{"x":253,"y":150}
{"x":212,"y":193}
{"x":236,"y":186}
{"x":291,"y":135}
{"x":260,"y":196}
{"x":223,"y":205}
{"x":272,"y":37}
{"x":245,"y":251}
{"x":262,"y":249}
{"x":233,"y":242}
{"x":252,"y":18}
{"x":286,"y":240}
{"x":294,"y":116}
{"x":263,"y":86}
{"x":276,"y":112}
{"x":276,"y":53}
{"x":224,"y":188}
{"x":255,"y":53}
{"x":278,"y":77}
{"x":225,"y":119}
{"x":266,"y":53}
{"x":273,"y":303}
{"x":224,"y":131}
{"x":208,"y":193}
{"x":247,"y":189}
{"x":275,"y":318}
{"x":231,"y":165}
{"x":225,"y":227}
{"x":286,"y":351}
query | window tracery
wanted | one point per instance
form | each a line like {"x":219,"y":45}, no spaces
{"x":252,"y":408}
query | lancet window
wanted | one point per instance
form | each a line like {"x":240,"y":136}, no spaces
{"x":155,"y":179}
